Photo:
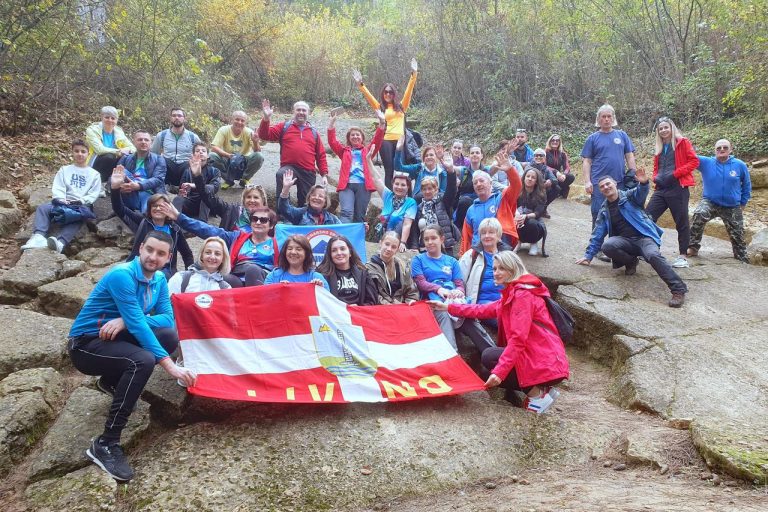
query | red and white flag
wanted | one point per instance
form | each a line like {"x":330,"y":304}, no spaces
{"x":299,"y":343}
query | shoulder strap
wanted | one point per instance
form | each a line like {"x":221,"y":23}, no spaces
{"x":163,"y":134}
{"x":191,"y":137}
{"x":288,"y":124}
{"x":475,"y":255}
{"x":186,"y":276}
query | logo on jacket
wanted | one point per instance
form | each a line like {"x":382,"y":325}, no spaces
{"x":617,"y":140}
{"x":733,"y":174}
{"x":447,"y":270}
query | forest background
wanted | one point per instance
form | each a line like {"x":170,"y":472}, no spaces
{"x":486,"y":67}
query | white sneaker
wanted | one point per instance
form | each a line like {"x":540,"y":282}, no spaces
{"x":103,"y":192}
{"x":55,"y":244}
{"x":36,"y":241}
{"x":534,"y":250}
{"x":539,"y":405}
{"x":681,"y":262}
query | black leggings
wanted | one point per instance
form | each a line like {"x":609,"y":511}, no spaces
{"x":246,"y":274}
{"x":676,"y":199}
{"x":105,"y":164}
{"x":387,"y":153}
{"x":122,"y":364}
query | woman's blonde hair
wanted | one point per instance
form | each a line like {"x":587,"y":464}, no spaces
{"x":509,"y":261}
{"x":225,"y":266}
{"x":676,"y":134}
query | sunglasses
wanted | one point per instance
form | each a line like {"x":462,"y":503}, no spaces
{"x":722,"y":148}
{"x":555,"y":139}
{"x":539,"y":156}
{"x":663,"y":119}
{"x":521,"y":130}
{"x":399,"y":174}
{"x":260,"y":220}
{"x":249,"y":186}
{"x":389,"y":91}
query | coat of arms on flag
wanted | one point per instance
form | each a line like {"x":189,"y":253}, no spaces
{"x":298,"y":343}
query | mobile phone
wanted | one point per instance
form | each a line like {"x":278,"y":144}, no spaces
{"x":337,"y":111}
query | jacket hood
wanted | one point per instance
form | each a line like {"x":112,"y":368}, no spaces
{"x":195,"y":268}
{"x":500,"y":246}
{"x":527,"y":282}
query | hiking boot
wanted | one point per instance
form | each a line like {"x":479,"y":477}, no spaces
{"x":546,"y":215}
{"x":692,"y":252}
{"x":111,"y":459}
{"x":55,"y":244}
{"x":534,"y":250}
{"x":602,"y":257}
{"x":681,"y":262}
{"x":36,"y":241}
{"x":225,"y":184}
{"x":539,"y":405}
{"x":104,"y":387}
{"x":630,"y":269}
{"x":677,"y":300}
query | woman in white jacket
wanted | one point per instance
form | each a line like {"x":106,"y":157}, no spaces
{"x":207,"y":273}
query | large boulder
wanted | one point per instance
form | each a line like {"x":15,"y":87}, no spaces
{"x":81,"y":419}
{"x":31,"y":340}
{"x":102,"y":256}
{"x":35,"y":195}
{"x":84,"y":490}
{"x":114,"y":231}
{"x":27,"y":402}
{"x":7,"y":199}
{"x":67,"y":296}
{"x":35,"y":268}
{"x":10,"y":220}
{"x":757,"y":251}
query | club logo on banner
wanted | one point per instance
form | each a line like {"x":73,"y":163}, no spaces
{"x":299,"y":343}
{"x":318,"y":237}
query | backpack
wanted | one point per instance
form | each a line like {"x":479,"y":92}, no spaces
{"x":236,"y":167}
{"x":187,"y":275}
{"x":562,"y":319}
{"x":413,"y":142}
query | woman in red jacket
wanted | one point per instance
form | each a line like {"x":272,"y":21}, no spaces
{"x":673,"y":168}
{"x":355,"y":177}
{"x":530,"y":356}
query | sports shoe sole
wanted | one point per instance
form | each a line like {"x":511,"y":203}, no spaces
{"x":96,"y":461}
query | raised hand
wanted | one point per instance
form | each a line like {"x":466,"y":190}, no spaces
{"x":288,"y":181}
{"x":118,"y":177}
{"x":641,"y":176}
{"x":266,"y":108}
{"x":357,"y":76}
{"x":195,"y":165}
{"x":414,"y":65}
{"x":381,"y":118}
{"x":169,"y":210}
{"x":400,"y":143}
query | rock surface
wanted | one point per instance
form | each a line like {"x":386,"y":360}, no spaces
{"x":67,"y":296}
{"x":81,"y":419}
{"x":84,"y":490}
{"x":27,"y":401}
{"x":36,"y":268}
{"x":31,"y":340}
{"x":757,"y":251}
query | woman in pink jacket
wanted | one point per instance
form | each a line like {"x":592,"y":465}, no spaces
{"x":530,"y":356}
{"x":355,"y":179}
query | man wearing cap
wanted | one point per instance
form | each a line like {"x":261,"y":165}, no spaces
{"x":727,"y":188}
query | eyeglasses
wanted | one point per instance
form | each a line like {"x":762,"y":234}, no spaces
{"x":260,"y":220}
{"x":722,"y":148}
{"x":555,"y":139}
{"x":539,"y":156}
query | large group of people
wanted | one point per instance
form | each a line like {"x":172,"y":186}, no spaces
{"x":463,"y":218}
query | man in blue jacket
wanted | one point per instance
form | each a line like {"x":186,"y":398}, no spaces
{"x":126,"y":327}
{"x":727,"y":188}
{"x":631,"y":234}
{"x":144,"y":173}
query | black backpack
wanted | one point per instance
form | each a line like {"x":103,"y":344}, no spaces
{"x":561,"y":318}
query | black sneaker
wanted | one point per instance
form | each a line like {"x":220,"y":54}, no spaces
{"x":602,"y":257}
{"x":111,"y":459}
{"x":104,"y":387}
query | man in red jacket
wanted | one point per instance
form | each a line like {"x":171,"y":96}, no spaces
{"x":301,"y":148}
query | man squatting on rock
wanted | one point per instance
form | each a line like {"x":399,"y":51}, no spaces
{"x":631,"y":234}
{"x":126,"y":327}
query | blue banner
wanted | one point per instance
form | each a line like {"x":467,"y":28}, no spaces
{"x":318,"y":237}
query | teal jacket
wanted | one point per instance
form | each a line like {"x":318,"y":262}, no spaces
{"x":142,"y":304}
